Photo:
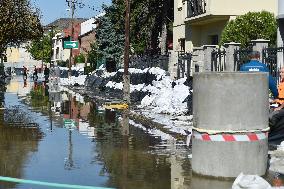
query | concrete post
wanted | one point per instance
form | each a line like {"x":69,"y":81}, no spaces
{"x":230,"y":59}
{"x":208,"y":56}
{"x":197,"y":59}
{"x":259,"y":45}
{"x":235,"y":106}
{"x":173,"y":61}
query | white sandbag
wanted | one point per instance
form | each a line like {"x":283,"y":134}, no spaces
{"x":250,"y":182}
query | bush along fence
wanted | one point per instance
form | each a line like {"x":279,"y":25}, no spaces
{"x":229,"y":57}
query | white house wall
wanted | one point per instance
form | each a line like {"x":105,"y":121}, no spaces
{"x":240,"y":7}
{"x":87,"y":26}
{"x":218,"y":12}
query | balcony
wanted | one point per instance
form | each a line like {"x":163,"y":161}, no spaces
{"x":196,"y":8}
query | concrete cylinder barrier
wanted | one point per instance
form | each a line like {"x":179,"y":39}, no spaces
{"x":230,"y":119}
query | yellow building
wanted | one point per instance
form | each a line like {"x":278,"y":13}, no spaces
{"x":17,"y":57}
{"x":201,"y":22}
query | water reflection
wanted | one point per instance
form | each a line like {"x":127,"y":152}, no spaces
{"x":89,"y":145}
{"x":16,"y":145}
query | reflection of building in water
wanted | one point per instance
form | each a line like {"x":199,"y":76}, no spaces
{"x":178,"y":178}
{"x":18,"y":87}
{"x":85,"y":129}
{"x":55,"y":98}
{"x":72,"y":109}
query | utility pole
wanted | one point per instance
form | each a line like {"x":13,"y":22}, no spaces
{"x":51,"y":46}
{"x":72,"y":5}
{"x":126,"y":77}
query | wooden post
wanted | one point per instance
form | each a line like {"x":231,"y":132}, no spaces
{"x":126,"y":78}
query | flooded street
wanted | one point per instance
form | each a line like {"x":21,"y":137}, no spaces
{"x":63,"y":138}
{"x":67,"y":140}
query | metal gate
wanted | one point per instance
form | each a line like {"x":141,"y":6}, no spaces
{"x":184,"y":65}
{"x":218,"y":61}
{"x":270,"y":58}
{"x":241,"y":57}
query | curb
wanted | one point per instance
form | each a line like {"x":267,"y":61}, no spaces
{"x":136,"y":117}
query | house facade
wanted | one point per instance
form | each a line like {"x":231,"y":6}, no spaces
{"x":64,"y":34}
{"x":17,"y":57}
{"x":201,"y":22}
{"x":87,"y":35}
{"x":59,"y":53}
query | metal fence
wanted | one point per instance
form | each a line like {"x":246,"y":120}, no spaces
{"x":270,"y":58}
{"x":184,"y":65}
{"x":241,"y":57}
{"x":147,"y":61}
{"x":218,"y":60}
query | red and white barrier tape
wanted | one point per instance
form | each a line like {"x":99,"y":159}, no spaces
{"x":230,"y":137}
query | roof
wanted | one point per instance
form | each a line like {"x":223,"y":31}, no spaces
{"x":64,"y":23}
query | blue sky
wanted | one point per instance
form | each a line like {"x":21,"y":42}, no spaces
{"x":54,"y":9}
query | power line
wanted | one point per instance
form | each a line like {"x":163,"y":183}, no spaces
{"x":81,"y":5}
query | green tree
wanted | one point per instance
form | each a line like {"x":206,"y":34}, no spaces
{"x":109,"y":42}
{"x":147,"y":18}
{"x":80,"y":58}
{"x":19,"y":22}
{"x":251,"y":26}
{"x":41,"y":49}
{"x":94,"y":56}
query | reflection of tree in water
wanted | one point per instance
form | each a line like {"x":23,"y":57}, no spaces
{"x":39,"y":96}
{"x":104,"y":122}
{"x":16,"y":144}
{"x":143,"y":170}
{"x":125,"y":158}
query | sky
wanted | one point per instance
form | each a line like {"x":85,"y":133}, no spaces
{"x":54,"y":9}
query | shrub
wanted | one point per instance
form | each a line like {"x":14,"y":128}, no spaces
{"x":251,"y":26}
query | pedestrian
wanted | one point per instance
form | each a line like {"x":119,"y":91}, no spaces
{"x":46,"y":73}
{"x":35,"y":77}
{"x":25,"y":75}
{"x":254,"y":65}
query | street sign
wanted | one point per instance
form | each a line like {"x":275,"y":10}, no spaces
{"x":71,"y":45}
{"x":69,"y":123}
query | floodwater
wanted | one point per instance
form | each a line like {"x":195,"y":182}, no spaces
{"x":62,"y":138}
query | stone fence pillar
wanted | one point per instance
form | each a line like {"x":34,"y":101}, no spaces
{"x":173,"y":61}
{"x":208,"y":56}
{"x":280,"y":33}
{"x":230,"y":59}
{"x":197,"y":59}
{"x":259,"y":45}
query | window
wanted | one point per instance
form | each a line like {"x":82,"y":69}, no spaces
{"x":182,"y":44}
{"x":179,"y":5}
{"x":214,"y":39}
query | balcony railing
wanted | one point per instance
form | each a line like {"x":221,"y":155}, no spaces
{"x":196,"y":7}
